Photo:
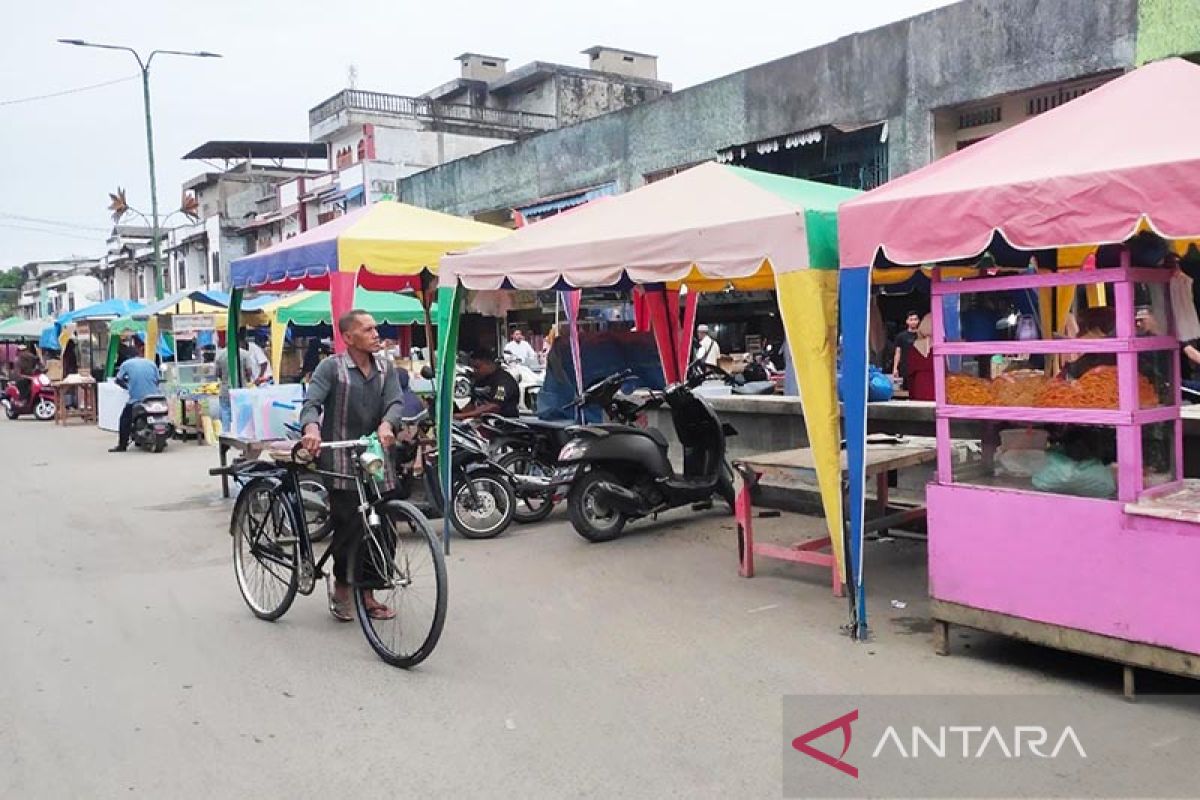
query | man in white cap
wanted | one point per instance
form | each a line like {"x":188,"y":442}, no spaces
{"x":707,"y":349}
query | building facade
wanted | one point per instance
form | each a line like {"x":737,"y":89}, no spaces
{"x":254,"y":202}
{"x":855,"y":112}
{"x":376,"y":139}
{"x":56,"y":287}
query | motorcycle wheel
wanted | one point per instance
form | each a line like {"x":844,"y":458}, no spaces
{"x":44,"y":410}
{"x":529,"y":509}
{"x":483,"y":506}
{"x":589,"y":516}
{"x":317,"y":519}
{"x":160,"y":443}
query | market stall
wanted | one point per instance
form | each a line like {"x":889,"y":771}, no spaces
{"x":387,"y":246}
{"x":314,"y":311}
{"x":711,"y":225}
{"x":1072,"y":525}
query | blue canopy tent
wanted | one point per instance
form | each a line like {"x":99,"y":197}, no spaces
{"x":109,"y":309}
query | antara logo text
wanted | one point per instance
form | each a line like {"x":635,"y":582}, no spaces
{"x":945,"y":741}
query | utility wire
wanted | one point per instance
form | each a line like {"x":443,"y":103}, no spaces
{"x":64,"y":92}
{"x":63,"y":234}
{"x":55,"y":222}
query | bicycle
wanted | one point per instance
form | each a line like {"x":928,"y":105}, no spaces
{"x":398,"y":554}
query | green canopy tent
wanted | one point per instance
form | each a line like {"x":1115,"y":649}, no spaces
{"x":386,"y":307}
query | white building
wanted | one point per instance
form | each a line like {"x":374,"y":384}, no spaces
{"x":55,"y":287}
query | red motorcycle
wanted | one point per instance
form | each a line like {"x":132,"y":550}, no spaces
{"x":41,"y":400}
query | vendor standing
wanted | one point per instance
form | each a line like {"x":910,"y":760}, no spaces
{"x":221,"y":364}
{"x":707,"y":349}
{"x":904,"y":343}
{"x":258,"y":357}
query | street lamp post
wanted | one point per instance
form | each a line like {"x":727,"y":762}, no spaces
{"x":144,"y":66}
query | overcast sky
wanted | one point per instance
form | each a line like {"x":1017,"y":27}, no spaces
{"x":63,"y":155}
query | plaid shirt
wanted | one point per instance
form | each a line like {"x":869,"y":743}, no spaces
{"x":354,"y":405}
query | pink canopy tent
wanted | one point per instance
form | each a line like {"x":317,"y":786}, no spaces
{"x":1086,"y":172}
{"x":1089,"y":172}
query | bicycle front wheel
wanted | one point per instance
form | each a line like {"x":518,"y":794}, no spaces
{"x":400,"y":586}
{"x":265,"y":548}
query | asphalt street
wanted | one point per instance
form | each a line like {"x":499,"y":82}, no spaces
{"x":645,"y":667}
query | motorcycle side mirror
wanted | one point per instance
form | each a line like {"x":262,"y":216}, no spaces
{"x":427,"y":372}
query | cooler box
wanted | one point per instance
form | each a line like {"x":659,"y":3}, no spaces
{"x":254,"y":414}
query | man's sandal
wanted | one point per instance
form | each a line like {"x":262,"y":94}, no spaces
{"x":341,"y":610}
{"x":381,"y":612}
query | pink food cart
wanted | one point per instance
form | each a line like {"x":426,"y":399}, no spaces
{"x":1054,"y":251}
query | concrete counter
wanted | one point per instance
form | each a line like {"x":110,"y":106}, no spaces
{"x":768,"y":423}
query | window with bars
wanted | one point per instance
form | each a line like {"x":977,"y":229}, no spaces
{"x":978,"y":117}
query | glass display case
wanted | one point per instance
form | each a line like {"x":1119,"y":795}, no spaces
{"x":1068,"y":380}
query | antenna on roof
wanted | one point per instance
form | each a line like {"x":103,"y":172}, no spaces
{"x":352,"y":76}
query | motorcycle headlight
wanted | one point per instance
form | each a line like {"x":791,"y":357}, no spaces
{"x":571,"y":451}
{"x":156,"y":408}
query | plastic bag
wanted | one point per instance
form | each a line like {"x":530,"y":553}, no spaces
{"x":1063,"y":475}
{"x":879,"y":386}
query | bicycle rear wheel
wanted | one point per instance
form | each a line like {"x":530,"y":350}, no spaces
{"x":265,"y":548}
{"x":400,"y":565}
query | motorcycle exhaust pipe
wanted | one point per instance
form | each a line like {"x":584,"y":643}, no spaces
{"x":532,"y":485}
{"x":621,"y":499}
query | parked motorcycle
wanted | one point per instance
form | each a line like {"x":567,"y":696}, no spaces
{"x":621,"y":472}
{"x":529,"y":448}
{"x":40,"y":399}
{"x":483,"y":498}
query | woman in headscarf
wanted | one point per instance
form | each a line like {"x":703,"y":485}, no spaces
{"x":919,"y":379}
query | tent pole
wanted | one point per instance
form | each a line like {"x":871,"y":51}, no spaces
{"x":232,"y":345}
{"x":427,"y":302}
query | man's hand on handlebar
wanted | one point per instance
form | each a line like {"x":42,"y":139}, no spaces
{"x":311,"y":440}
{"x":387,"y":436}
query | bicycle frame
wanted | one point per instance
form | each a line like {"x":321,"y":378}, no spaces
{"x":289,"y":474}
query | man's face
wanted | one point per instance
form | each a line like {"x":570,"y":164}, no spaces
{"x":912,"y":321}
{"x":701,"y":332}
{"x":518,"y":336}
{"x":483,"y":366}
{"x":364,"y":335}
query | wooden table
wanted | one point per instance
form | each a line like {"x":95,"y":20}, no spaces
{"x":795,"y":470}
{"x":84,"y":393}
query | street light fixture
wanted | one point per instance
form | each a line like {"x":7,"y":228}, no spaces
{"x":144,"y":66}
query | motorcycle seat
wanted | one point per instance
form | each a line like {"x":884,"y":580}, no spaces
{"x":551,"y":425}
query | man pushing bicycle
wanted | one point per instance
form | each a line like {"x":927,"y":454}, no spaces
{"x":359,"y":394}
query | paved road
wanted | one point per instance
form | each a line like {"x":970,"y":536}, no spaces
{"x":641,"y":668}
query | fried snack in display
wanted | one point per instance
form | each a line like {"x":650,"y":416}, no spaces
{"x":1096,"y":388}
{"x":1018,"y":388}
{"x":1060,"y":394}
{"x":967,"y":390}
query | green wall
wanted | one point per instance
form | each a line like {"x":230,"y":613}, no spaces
{"x":1167,"y":28}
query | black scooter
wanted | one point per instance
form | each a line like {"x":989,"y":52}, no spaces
{"x":622,"y":472}
{"x":152,"y":428}
{"x":529,"y":447}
